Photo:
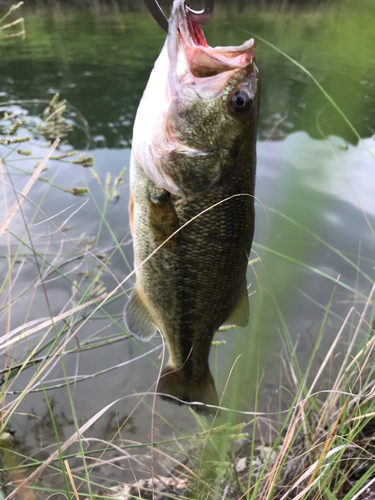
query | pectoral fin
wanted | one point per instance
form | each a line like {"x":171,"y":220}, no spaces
{"x":162,"y":219}
{"x":137,"y":317}
{"x":240,"y":314}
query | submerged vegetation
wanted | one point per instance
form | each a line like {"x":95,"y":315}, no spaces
{"x":307,"y":435}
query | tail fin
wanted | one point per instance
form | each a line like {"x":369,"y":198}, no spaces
{"x":173,"y":383}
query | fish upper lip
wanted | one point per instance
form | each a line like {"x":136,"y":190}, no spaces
{"x":196,"y":33}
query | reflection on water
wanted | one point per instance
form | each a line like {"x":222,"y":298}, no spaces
{"x":315,"y":211}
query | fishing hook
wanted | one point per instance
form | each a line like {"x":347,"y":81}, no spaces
{"x":200,"y":17}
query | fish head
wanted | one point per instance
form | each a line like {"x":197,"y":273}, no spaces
{"x":205,"y":120}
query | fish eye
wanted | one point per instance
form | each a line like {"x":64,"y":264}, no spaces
{"x":241,"y":102}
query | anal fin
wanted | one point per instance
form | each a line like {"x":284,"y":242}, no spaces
{"x":138,"y":319}
{"x":240,"y":313}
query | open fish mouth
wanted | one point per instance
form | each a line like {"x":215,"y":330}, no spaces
{"x":201,"y":60}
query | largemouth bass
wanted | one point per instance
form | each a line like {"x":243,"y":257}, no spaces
{"x":193,"y":176}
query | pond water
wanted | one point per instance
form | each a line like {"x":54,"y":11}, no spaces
{"x":315,"y":215}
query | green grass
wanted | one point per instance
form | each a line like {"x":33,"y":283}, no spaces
{"x":14,"y":27}
{"x":310,"y":446}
